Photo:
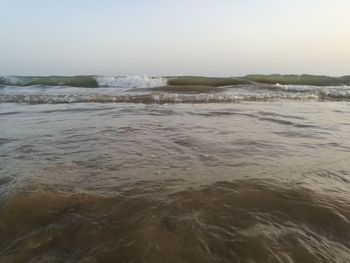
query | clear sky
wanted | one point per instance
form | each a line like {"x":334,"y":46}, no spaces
{"x":168,"y":37}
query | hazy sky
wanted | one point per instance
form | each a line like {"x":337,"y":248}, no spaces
{"x":168,"y":37}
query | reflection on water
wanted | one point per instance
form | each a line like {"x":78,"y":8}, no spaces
{"x":255,"y":182}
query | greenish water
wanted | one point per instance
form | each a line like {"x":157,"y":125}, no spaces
{"x":205,"y":81}
{"x":75,"y":81}
{"x":300,"y":80}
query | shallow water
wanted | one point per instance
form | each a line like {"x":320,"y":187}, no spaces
{"x":248,"y":182}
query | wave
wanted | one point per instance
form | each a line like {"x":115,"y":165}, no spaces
{"x":144,"y":89}
{"x":313,"y":80}
{"x":86,"y":81}
{"x":206,"y":81}
{"x":152,"y":82}
{"x":123,"y":81}
{"x":131,"y":82}
{"x":75,"y":81}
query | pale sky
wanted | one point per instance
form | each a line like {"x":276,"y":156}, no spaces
{"x":167,"y":37}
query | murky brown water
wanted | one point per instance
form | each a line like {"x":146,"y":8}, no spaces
{"x":249,"y":182}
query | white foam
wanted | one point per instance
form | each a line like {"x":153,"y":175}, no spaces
{"x":296,"y":88}
{"x":147,"y":98}
{"x":131,"y":82}
{"x":332,"y":91}
{"x":12,"y":80}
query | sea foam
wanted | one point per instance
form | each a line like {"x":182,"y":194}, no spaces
{"x":131,"y":81}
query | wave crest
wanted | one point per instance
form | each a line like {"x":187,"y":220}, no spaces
{"x":87,"y":81}
{"x":152,"y":82}
{"x":131,"y":82}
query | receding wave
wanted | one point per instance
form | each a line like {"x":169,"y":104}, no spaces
{"x":243,"y":221}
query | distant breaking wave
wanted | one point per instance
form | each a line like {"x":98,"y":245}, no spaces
{"x":184,"y":89}
{"x":87,"y":81}
{"x":152,"y":82}
{"x":131,"y":82}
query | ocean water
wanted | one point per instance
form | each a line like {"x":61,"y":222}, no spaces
{"x":138,"y":169}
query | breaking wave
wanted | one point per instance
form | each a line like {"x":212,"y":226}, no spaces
{"x":131,"y":82}
{"x":87,"y":81}
{"x":151,"y":82}
{"x":145,"y":89}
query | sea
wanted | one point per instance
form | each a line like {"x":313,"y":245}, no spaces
{"x":175,"y":169}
